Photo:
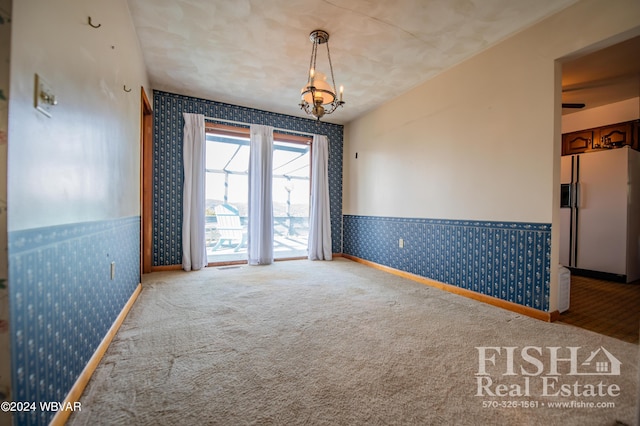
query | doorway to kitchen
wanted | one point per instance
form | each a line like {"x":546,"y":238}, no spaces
{"x":596,"y":95}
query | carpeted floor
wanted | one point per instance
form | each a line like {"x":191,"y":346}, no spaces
{"x":328,"y":343}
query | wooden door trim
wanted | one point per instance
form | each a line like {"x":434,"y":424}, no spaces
{"x":146,"y":179}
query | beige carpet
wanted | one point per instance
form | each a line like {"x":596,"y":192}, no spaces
{"x":328,"y":343}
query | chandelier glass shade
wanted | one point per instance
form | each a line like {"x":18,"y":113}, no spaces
{"x":318,"y":96}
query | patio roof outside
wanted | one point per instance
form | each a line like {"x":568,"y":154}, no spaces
{"x":231,"y":155}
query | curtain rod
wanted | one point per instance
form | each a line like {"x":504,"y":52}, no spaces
{"x":249,"y":124}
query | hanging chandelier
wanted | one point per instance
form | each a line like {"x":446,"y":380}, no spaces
{"x":318,"y":96}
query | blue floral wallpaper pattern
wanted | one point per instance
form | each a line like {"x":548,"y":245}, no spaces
{"x":168,"y":168}
{"x":5,"y":344}
{"x":63,"y":302}
{"x":506,"y":260}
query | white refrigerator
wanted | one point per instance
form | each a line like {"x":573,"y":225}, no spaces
{"x":600,"y":214}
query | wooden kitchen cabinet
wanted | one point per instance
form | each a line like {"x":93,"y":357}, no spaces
{"x":606,"y":137}
{"x":577,"y":142}
{"x":614,"y":136}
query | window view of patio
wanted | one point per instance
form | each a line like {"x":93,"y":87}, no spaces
{"x":227,"y":192}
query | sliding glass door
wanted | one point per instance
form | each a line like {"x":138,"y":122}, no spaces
{"x":227,"y":194}
{"x":226,"y":198}
{"x":291,"y":189}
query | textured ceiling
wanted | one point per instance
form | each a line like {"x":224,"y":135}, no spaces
{"x":256,"y":52}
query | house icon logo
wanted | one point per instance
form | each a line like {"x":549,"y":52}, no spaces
{"x":601,"y":363}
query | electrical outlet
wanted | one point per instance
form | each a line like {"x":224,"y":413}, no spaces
{"x":113,"y":270}
{"x":401,"y":243}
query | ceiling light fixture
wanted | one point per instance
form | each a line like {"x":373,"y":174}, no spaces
{"x":318,"y":97}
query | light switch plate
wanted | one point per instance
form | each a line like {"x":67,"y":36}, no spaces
{"x":44,"y":97}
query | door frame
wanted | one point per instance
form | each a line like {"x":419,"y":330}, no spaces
{"x":244,"y":131}
{"x":146,"y":184}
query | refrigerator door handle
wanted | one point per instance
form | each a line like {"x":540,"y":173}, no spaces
{"x":578,"y":195}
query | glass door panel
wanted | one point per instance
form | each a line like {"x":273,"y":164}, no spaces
{"x":291,"y":189}
{"x":226,"y":198}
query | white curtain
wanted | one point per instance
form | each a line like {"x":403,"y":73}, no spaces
{"x":260,"y":226}
{"x":319,"y":214}
{"x":194,"y":252}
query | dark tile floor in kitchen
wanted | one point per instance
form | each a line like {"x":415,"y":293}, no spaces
{"x":606,"y":307}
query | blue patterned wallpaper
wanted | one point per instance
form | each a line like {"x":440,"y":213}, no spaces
{"x":168,"y":169}
{"x":5,"y":344}
{"x":509,"y":260}
{"x":63,"y":302}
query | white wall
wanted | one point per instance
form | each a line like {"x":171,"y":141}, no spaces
{"x":83,"y":163}
{"x":478,"y":141}
{"x":482,"y":140}
{"x":618,"y":112}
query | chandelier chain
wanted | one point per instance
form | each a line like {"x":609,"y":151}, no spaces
{"x":333,"y":81}
{"x":312,"y":63}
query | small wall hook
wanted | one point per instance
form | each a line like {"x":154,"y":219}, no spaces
{"x":125,"y":89}
{"x":94,"y":26}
